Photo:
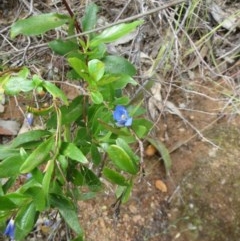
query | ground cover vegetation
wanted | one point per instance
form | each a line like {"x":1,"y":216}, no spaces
{"x":79,"y":142}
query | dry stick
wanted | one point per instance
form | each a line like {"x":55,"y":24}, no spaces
{"x":112,"y":24}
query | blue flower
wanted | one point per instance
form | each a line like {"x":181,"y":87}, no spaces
{"x":121,"y":116}
{"x":29,"y":118}
{"x":10,"y":229}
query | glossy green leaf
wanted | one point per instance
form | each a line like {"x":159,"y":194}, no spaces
{"x":48,"y":176}
{"x":95,"y":154}
{"x":96,"y":69}
{"x":113,"y":33}
{"x":124,"y":145}
{"x":39,"y":24}
{"x":38,"y":156}
{"x":55,"y":91}
{"x":17,"y":198}
{"x":114,"y":177}
{"x":72,"y":151}
{"x":121,"y":159}
{"x":123,"y":81}
{"x":11,"y":166}
{"x":164,"y":153}
{"x":29,"y":137}
{"x":6,"y":204}
{"x":38,"y":197}
{"x":96,"y":97}
{"x":67,"y":210}
{"x":127,"y":193}
{"x":90,"y":17}
{"x":80,"y":67}
{"x":62,"y":47}
{"x":25,"y":220}
{"x":17,"y":84}
{"x":119,"y":65}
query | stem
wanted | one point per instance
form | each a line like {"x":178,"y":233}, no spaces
{"x":77,"y":26}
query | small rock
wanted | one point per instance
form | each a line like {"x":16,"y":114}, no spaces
{"x":9,"y":127}
{"x":133,"y":209}
{"x":137,"y":218}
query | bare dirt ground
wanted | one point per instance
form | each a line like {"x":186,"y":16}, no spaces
{"x":202,"y":198}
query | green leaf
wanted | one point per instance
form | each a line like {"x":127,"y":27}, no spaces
{"x":38,"y":156}
{"x":39,"y":24}
{"x":96,"y":97}
{"x":113,"y":33}
{"x":124,"y":145}
{"x":62,"y":47}
{"x":90,"y":17}
{"x":68,"y":211}
{"x":96,"y":69}
{"x":121,"y":101}
{"x":124,"y":192}
{"x":24,"y":221}
{"x":48,"y":176}
{"x":141,"y":127}
{"x":164,"y":153}
{"x":121,"y":159}
{"x":114,"y":177}
{"x":127,"y":193}
{"x":17,"y":84}
{"x":6,"y":204}
{"x":38,"y":197}
{"x":96,"y":156}
{"x":119,"y":65}
{"x":72,"y":151}
{"x":90,"y":179}
{"x":10,"y":166}
{"x":17,"y":198}
{"x":80,"y":67}
{"x":55,"y":91}
{"x":29,"y":137}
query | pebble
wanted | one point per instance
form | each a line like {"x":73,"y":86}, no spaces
{"x":133,"y":209}
{"x":137,"y":218}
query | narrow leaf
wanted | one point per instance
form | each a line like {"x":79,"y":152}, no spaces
{"x":113,"y":33}
{"x":118,"y":65}
{"x":6,"y":204}
{"x":164,"y":153}
{"x":55,"y":91}
{"x":90,"y":17}
{"x":72,"y":151}
{"x":47,"y":177}
{"x":29,"y":137}
{"x":10,"y":166}
{"x":38,"y":156}
{"x":40,"y":24}
{"x":25,"y":220}
{"x":67,"y":210}
{"x":114,"y":177}
{"x":62,"y":47}
{"x":121,"y":159}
